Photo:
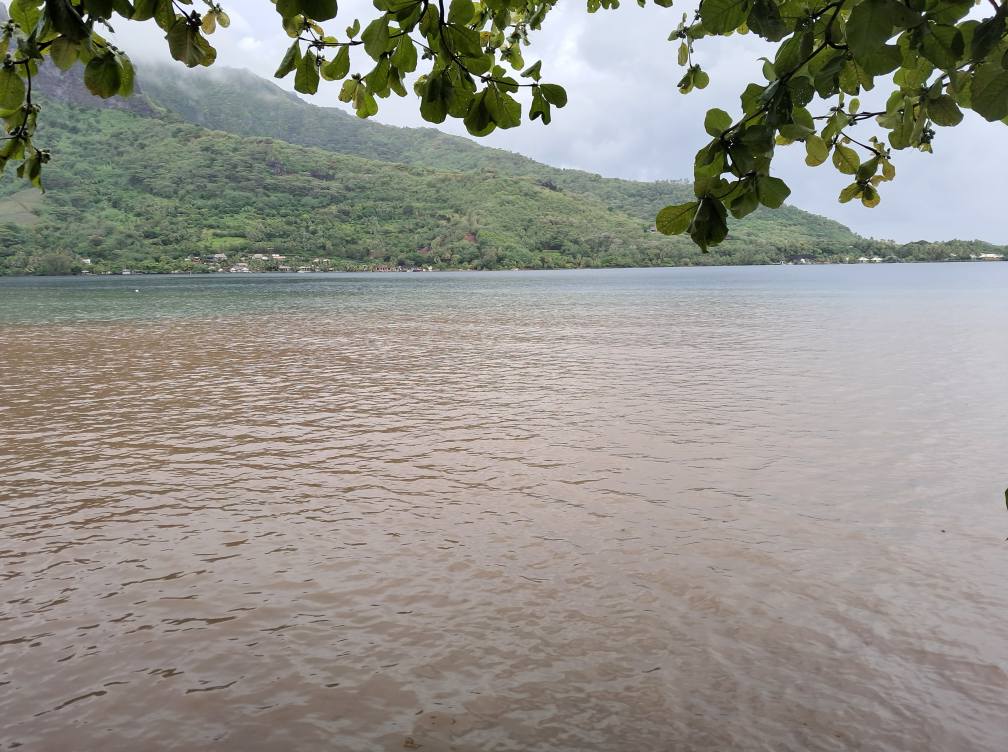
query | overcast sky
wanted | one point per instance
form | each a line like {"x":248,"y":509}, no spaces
{"x":625,"y":117}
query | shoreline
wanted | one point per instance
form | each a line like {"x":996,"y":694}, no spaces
{"x":458,"y":270}
{"x":433,"y":270}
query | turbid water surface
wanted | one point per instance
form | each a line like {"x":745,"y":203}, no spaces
{"x":679,"y":509}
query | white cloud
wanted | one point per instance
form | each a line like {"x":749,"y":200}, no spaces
{"x":626,"y":119}
{"x":249,"y":44}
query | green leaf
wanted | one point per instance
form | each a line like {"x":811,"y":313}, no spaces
{"x":675,"y":220}
{"x":987,"y":36}
{"x":867,"y":170}
{"x":349,"y":89}
{"x":291,"y":59}
{"x":869,"y":27}
{"x":164,"y":14}
{"x":772,"y":192}
{"x":801,"y":125}
{"x":31,"y":168}
{"x":288,"y":8}
{"x":765,"y":20}
{"x":709,"y":226}
{"x":746,"y":202}
{"x":793,"y":52}
{"x":378,"y":79}
{"x":25,"y":13}
{"x":405,"y":55}
{"x":852,"y":190}
{"x":744,"y":159}
{"x":827,"y":78}
{"x":902,"y":133}
{"x":337,"y":68}
{"x":306,"y":79}
{"x":99,"y":8}
{"x":710,"y":159}
{"x":554,"y":94}
{"x":188,"y":45}
{"x":845,"y":159}
{"x":364,"y":103}
{"x":717,"y":122}
{"x":376,"y":37}
{"x":539,"y":108}
{"x":127,"y":74}
{"x":849,"y":79}
{"x":103,"y":76}
{"x":881,"y":60}
{"x":504,"y":110}
{"x":752,"y":99}
{"x":478,"y":120}
{"x":209,"y":25}
{"x":759,"y":138}
{"x":460,"y":11}
{"x":143,"y":10}
{"x":943,"y":45}
{"x":722,"y":16}
{"x":944,"y":111}
{"x":989,"y":91}
{"x":686,"y":82}
{"x":64,"y":52}
{"x":435,"y":95}
{"x":319,"y":10}
{"x":66,"y":20}
{"x":12,"y":90}
{"x":836,"y":123}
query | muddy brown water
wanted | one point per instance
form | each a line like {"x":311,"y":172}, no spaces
{"x":721,"y":509}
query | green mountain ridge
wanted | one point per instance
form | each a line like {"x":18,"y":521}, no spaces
{"x":220,"y":98}
{"x":223,"y":162}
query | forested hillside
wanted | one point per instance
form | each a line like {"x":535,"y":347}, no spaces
{"x":239,"y":102}
{"x":134,"y":194}
{"x":226,"y":163}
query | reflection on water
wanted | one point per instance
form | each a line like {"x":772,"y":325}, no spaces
{"x":663,"y":509}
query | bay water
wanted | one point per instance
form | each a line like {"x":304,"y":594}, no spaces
{"x":751,"y":508}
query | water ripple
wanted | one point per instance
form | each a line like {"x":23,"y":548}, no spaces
{"x":625,"y":510}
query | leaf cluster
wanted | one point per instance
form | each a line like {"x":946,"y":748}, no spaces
{"x":934,"y":56}
{"x":464,"y":59}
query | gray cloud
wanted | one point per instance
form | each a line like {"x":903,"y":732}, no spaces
{"x":626,"y":118}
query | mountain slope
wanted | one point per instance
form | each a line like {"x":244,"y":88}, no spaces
{"x":139,"y":190}
{"x":135,"y":184}
{"x":240,"y":102}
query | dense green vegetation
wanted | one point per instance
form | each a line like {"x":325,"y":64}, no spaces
{"x":240,"y":102}
{"x":150,"y":191}
{"x":465,"y":60}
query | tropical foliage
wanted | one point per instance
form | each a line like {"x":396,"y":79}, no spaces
{"x":464,"y":59}
{"x":261,"y":196}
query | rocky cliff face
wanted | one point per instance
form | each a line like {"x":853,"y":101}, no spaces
{"x":68,"y":86}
